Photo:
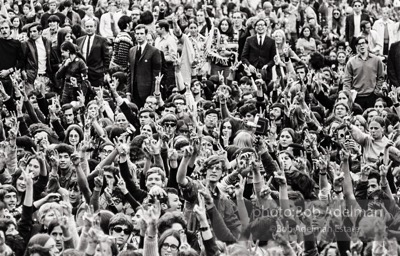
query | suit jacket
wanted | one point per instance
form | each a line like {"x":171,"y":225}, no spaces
{"x":142,"y":75}
{"x":258,"y":56}
{"x":243,"y":35}
{"x":350,"y":26}
{"x":393,"y":64}
{"x":31,"y":59}
{"x":98,"y":60}
{"x":379,"y":27}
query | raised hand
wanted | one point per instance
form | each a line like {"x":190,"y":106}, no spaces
{"x":122,"y":146}
{"x":239,"y":187}
{"x":114,"y":84}
{"x":157,"y":191}
{"x":280,"y":178}
{"x":200,"y":209}
{"x":99,"y":179}
{"x":208,"y":200}
{"x":121,"y":185}
{"x":221,"y":77}
{"x":152,"y":214}
{"x":266,"y":189}
{"x":344,"y":155}
{"x":188,"y":151}
{"x":54,"y":159}
{"x":76,"y":159}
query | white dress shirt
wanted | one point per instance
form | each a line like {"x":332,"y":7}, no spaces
{"x":84,"y":48}
{"x":42,"y":56}
{"x":357,"y":24}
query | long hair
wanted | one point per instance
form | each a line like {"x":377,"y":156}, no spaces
{"x":297,"y":118}
{"x":229,"y":32}
{"x":37,"y":240}
{"x":165,"y":235}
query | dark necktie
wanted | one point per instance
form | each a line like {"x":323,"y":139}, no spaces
{"x":113,"y":27}
{"x":260,"y":41}
{"x":88,"y":47}
{"x":139,"y":53}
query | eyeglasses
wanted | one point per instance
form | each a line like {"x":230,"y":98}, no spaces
{"x":173,"y":247}
{"x":260,"y":25}
{"x":119,"y":230}
{"x":361,"y":43}
{"x":336,"y":13}
{"x":169,"y":124}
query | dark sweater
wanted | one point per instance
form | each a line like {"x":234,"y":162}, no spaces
{"x":11,"y":54}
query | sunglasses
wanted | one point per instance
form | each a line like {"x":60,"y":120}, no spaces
{"x":169,"y":124}
{"x":119,"y":230}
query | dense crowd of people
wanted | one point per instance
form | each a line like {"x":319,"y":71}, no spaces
{"x":199,"y":127}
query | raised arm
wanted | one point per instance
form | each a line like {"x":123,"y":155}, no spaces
{"x":182,"y":169}
{"x":348,"y":193}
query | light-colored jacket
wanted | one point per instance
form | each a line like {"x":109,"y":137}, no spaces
{"x":379,"y":27}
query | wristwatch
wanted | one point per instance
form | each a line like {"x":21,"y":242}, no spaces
{"x":203,"y":229}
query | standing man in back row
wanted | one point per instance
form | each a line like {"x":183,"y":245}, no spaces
{"x":364,"y":74}
{"x":96,"y":53}
{"x":259,"y":51}
{"x":145,"y":65}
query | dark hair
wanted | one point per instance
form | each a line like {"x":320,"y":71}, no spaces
{"x":357,"y":39}
{"x":262,"y":229}
{"x":163,"y":24}
{"x":5,"y":189}
{"x":105,"y":217}
{"x":64,"y":148}
{"x":67,"y":3}
{"x":146,"y":18}
{"x":302,"y":31}
{"x":53,"y":224}
{"x":123,"y":22}
{"x":229,"y":32}
{"x":20,"y":22}
{"x":38,"y":240}
{"x":120,"y":219}
{"x":73,"y":127}
{"x":68,"y":46}
{"x":303,"y":183}
{"x":66,"y":107}
{"x":165,"y":235}
{"x":259,"y":20}
{"x":156,"y":170}
{"x":374,"y":175}
{"x":364,"y":23}
{"x":62,"y":33}
{"x":168,"y":219}
{"x":34,"y":25}
{"x":147,"y":110}
{"x":54,"y":18}
{"x":38,"y":249}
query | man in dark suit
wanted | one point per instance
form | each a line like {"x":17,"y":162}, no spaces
{"x":259,"y":51}
{"x":37,"y":56}
{"x":145,"y":65}
{"x":393,"y":64}
{"x":353,"y":22}
{"x":96,"y":52}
